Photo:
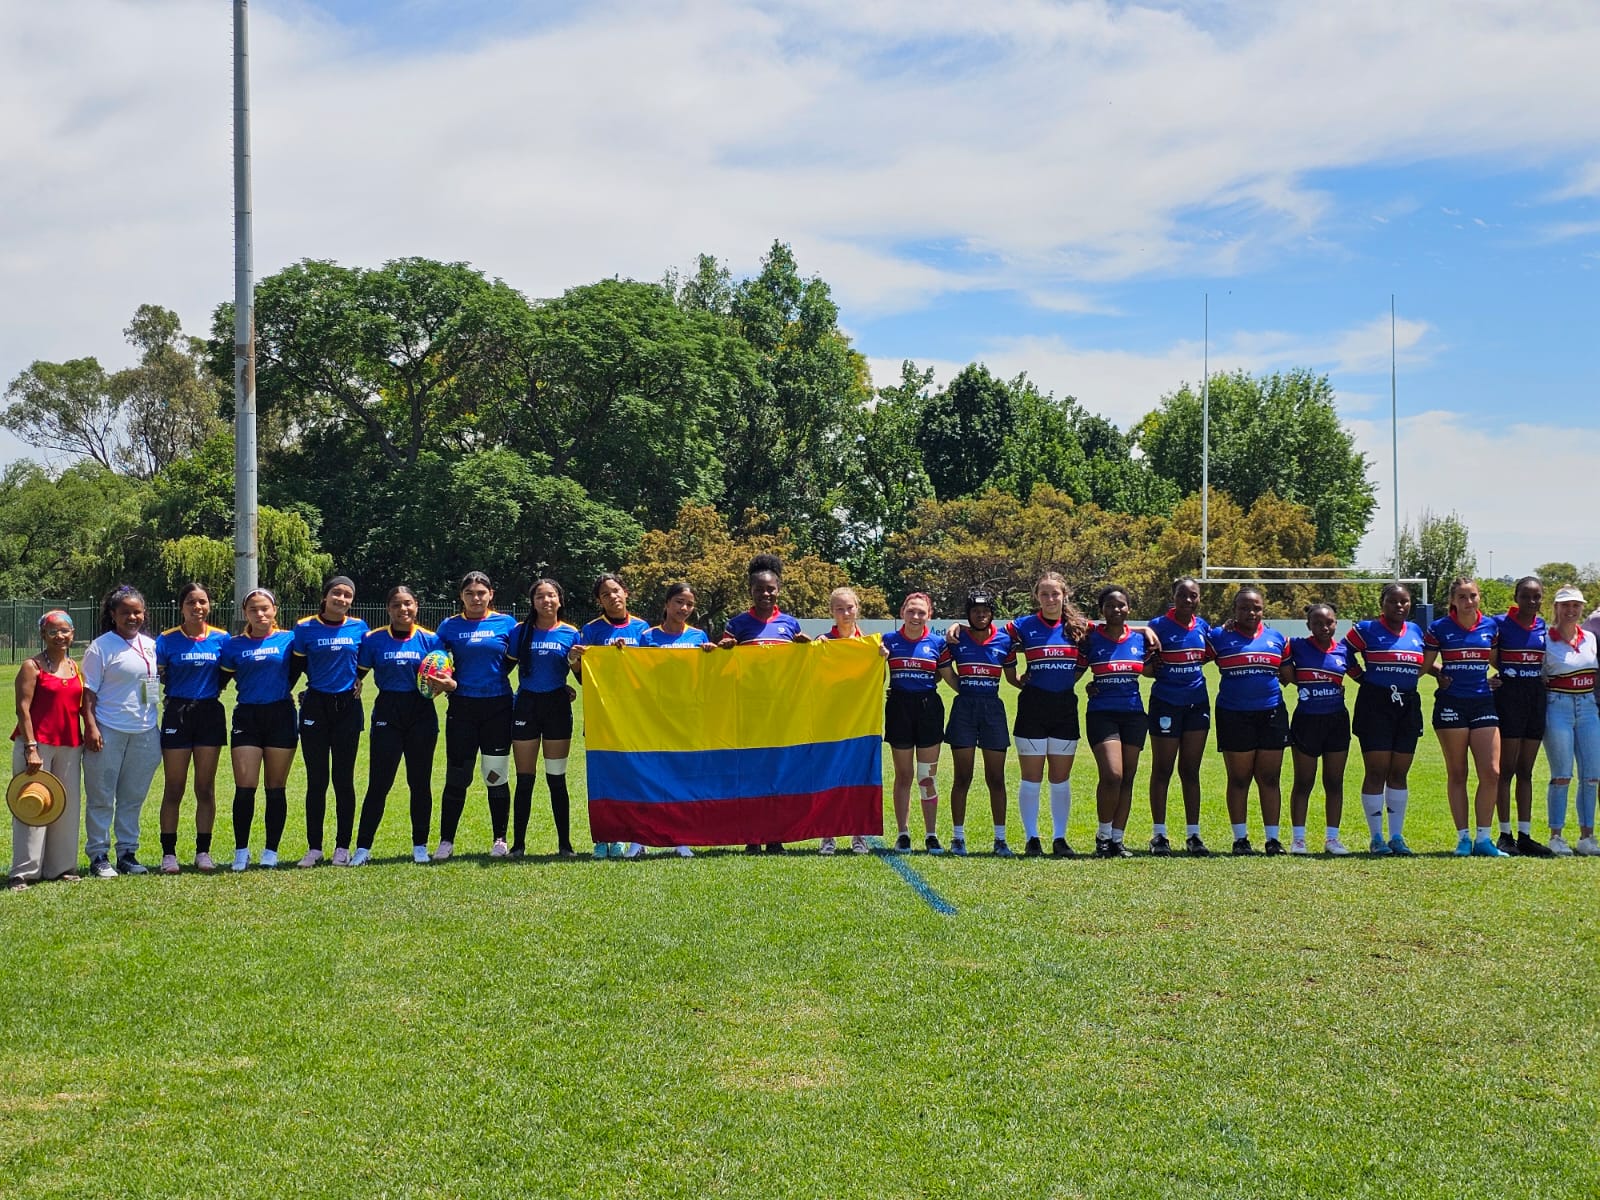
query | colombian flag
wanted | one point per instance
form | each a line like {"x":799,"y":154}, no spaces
{"x":754,"y":744}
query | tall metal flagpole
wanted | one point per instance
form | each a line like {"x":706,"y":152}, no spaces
{"x":1205,"y":447}
{"x":245,"y":560}
{"x":1394,"y":436}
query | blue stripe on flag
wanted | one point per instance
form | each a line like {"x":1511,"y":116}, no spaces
{"x":668,"y":776}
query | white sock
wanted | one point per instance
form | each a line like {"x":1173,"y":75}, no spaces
{"x":1000,"y":833}
{"x":1028,"y":802}
{"x":1061,"y":807}
{"x":1332,"y":834}
{"x":1160,"y":830}
{"x":1463,"y":833}
{"x":1372,"y":807}
{"x":959,"y":832}
{"x":1395,"y":799}
{"x":1271,"y":832}
{"x":1240,"y":831}
{"x":1299,"y":832}
{"x":1505,"y":826}
{"x":1116,"y":835}
{"x":1525,"y":828}
{"x":1103,"y":830}
{"x":1483,"y":832}
{"x":1191,"y":830}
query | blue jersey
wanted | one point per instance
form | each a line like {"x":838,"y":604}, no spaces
{"x":1181,"y":667}
{"x":750,"y":630}
{"x":1464,"y":654}
{"x":1388,"y":659}
{"x":1249,"y":669}
{"x":1319,"y":675}
{"x":330,"y":651}
{"x":1048,"y":649}
{"x":1115,"y":664}
{"x":392,"y":660}
{"x":657,"y":636}
{"x":479,"y":646}
{"x":979,"y":664}
{"x":913,"y":664}
{"x":603,"y":631}
{"x":1521,"y":647}
{"x":191,"y":667}
{"x":259,"y":666}
{"x":541,"y":655}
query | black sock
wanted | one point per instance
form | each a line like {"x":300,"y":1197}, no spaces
{"x":277,"y":815}
{"x":558,"y":810}
{"x":202,"y":842}
{"x":522,"y":809}
{"x":244,"y":814}
{"x":169,"y":843}
{"x":499,"y":808}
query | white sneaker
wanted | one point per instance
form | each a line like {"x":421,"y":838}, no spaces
{"x":685,"y":852}
{"x":204,"y":863}
{"x":312,"y":858}
{"x":269,"y":859}
{"x":1335,"y":847}
{"x":858,"y":845}
{"x":444,"y":851}
{"x":419,"y":854}
{"x":241,"y":859}
{"x":341,"y":857}
{"x":1298,"y":846}
{"x":499,"y":849}
{"x":169,"y":864}
{"x":1588,"y":847}
{"x":634,"y":850}
{"x":828,"y":846}
{"x":360,"y":857}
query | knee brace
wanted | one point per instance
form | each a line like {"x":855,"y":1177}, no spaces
{"x":555,"y":766}
{"x":925,"y":774}
{"x":495,"y":769}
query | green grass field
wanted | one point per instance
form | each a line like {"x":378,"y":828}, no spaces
{"x":809,"y":1026}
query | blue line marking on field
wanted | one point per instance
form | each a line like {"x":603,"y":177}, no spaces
{"x":918,"y":884}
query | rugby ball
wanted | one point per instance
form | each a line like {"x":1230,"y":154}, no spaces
{"x":434,"y":664}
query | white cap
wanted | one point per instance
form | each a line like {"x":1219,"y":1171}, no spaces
{"x":1569,"y":593}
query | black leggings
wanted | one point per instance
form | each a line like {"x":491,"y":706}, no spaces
{"x":474,"y":725}
{"x":244,"y":815}
{"x":404,"y":726}
{"x":330,"y":728}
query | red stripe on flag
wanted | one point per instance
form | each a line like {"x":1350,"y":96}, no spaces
{"x":842,"y":811}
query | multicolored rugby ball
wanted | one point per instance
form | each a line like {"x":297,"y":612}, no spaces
{"x":434,"y":664}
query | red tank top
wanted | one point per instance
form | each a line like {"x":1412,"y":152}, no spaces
{"x":57,"y":704}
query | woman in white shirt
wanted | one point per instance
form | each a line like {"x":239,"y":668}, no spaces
{"x":120,"y":691}
{"x":1572,"y":722}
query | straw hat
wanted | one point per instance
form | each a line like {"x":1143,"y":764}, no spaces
{"x":36,"y":799}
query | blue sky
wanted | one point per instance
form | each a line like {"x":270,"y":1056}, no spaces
{"x":1045,"y":186}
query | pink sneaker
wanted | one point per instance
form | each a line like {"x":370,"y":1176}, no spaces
{"x":444,"y":851}
{"x":312,"y":858}
{"x":499,"y":849}
{"x":204,"y":863}
{"x":341,"y":857}
{"x":169,"y":864}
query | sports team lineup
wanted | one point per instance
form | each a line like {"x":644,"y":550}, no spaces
{"x":92,"y":736}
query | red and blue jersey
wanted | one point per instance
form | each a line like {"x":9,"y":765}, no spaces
{"x":1465,"y":653}
{"x":1115,"y":664}
{"x":913,"y":663}
{"x":1521,"y":647}
{"x":1249,"y":668}
{"x":541,"y":655}
{"x":1319,"y":674}
{"x":979,"y":663}
{"x":750,"y":630}
{"x":1181,"y":667}
{"x":191,"y":667}
{"x":259,"y":666}
{"x":1049,"y":651}
{"x":479,"y":646}
{"x":1389,"y":658}
{"x":330,"y":649}
{"x":393,"y":660}
{"x":657,"y":636}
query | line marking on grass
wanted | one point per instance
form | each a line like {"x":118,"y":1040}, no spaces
{"x":918,"y":884}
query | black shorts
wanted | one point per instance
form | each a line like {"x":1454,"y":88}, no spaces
{"x":913,"y":720}
{"x":1262,"y":729}
{"x":1316,"y":734}
{"x":1129,"y":727}
{"x":1384,"y":725}
{"x":476,"y":725}
{"x":1042,"y":714}
{"x":1521,"y":704}
{"x":1464,"y":712}
{"x":268,"y":725}
{"x":190,"y":723}
{"x":538,"y":715}
{"x":330,"y":718}
{"x":403,"y":713}
{"x":1168,"y":720}
{"x":977,"y":721}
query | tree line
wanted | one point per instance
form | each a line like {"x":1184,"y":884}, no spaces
{"x":421,"y":418}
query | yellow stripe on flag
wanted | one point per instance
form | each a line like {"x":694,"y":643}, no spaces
{"x":647,"y":698}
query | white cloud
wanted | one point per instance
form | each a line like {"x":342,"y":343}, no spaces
{"x":1585,"y":183}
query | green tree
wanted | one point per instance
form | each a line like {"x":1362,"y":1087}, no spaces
{"x":1041,"y":445}
{"x":1277,"y":433}
{"x":1116,"y":479}
{"x":963,"y":430}
{"x":1436,"y":548}
{"x":58,"y":531}
{"x":66,"y":407}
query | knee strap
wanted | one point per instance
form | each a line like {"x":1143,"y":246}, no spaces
{"x":555,"y":766}
{"x":496,"y":769}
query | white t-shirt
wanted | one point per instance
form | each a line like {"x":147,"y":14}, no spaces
{"x":1570,"y":667}
{"x":122,"y":675}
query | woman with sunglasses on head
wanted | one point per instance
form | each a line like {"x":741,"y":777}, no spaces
{"x":194,"y":727}
{"x":478,"y":716}
{"x":913,"y":719}
{"x":1386,"y":663}
{"x":405,"y":725}
{"x":1180,"y":714}
{"x":121,"y":688}
{"x":260,"y":662}
{"x":1252,"y":719}
{"x":1572,"y":723}
{"x":541,"y":716}
{"x":49,"y":737}
{"x":1320,"y":731}
{"x":1460,"y":648}
{"x":329,"y":643}
{"x":1519,"y":701}
{"x":1116,"y":655}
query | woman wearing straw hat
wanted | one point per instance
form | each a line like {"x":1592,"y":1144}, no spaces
{"x":47,"y":754}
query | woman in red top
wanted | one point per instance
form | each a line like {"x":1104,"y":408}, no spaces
{"x":49,"y":736}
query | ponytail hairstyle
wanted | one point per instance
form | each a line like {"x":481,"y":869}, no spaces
{"x":1390,"y":589}
{"x":398,"y":589}
{"x":1516,"y":593}
{"x":608,"y":577}
{"x":472,"y":577}
{"x":1071,"y":616}
{"x":123,"y":593}
{"x":1451,"y":590}
{"x":1316,"y":604}
{"x":332,"y":583}
{"x":525,"y":642}
{"x":679,"y":588}
{"x":188,"y":590}
{"x":1180,"y":581}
